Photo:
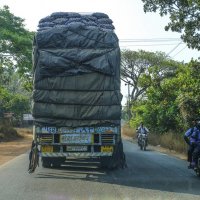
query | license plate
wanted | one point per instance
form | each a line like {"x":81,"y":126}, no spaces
{"x":107,"y":149}
{"x":47,"y":149}
{"x":76,"y":148}
{"x":76,"y":138}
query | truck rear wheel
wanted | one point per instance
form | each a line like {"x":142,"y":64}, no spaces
{"x":106,"y":162}
{"x":58,"y":161}
{"x":46,"y":162}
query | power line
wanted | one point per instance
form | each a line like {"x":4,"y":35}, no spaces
{"x":174,"y":48}
{"x":150,"y":40}
{"x":180,"y":51}
{"x":149,"y":45}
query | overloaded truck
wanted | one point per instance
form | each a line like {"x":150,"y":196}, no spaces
{"x":76,"y":96}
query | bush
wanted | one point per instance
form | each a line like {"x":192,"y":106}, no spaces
{"x":167,"y":140}
{"x":8,"y":133}
{"x":170,"y":141}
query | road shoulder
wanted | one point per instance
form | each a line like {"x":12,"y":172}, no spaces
{"x":159,"y":149}
{"x":12,"y":149}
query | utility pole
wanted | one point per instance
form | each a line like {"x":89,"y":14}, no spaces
{"x":128,"y":100}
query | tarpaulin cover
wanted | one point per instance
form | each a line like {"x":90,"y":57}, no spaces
{"x":93,"y":20}
{"x":76,"y":65}
{"x":77,"y":111}
{"x":96,"y":98}
{"x":75,"y":36}
{"x":65,"y":62}
{"x":74,"y":123}
{"x":85,"y":82}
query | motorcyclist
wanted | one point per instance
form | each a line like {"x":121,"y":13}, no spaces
{"x":192,"y":138}
{"x":196,"y":151}
{"x":141,"y":130}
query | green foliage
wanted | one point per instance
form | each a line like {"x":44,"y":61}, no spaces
{"x":140,"y":68}
{"x":15,"y":46}
{"x":15,"y":64}
{"x":189,"y":97}
{"x":16,"y":103}
{"x":170,"y":103}
{"x":184,"y":18}
{"x":152,"y":77}
{"x":139,"y":111}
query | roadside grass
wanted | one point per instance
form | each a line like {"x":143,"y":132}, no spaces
{"x":169,"y":140}
{"x":128,"y":131}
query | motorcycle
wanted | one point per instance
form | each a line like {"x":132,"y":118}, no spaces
{"x":142,"y":141}
{"x":197,"y":170}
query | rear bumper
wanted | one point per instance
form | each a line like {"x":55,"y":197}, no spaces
{"x":76,"y":154}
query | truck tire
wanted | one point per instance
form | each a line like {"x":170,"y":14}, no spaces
{"x":105,"y":162}
{"x":46,"y":162}
{"x":58,"y":161}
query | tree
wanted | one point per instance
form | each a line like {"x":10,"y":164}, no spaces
{"x":15,"y":46}
{"x":138,"y":69}
{"x":189,"y":97}
{"x":172,"y":103}
{"x":184,"y":18}
{"x":16,"y":103}
{"x":15,"y":64}
{"x":160,"y":110}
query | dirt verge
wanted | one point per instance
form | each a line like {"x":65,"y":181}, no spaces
{"x":16,"y":147}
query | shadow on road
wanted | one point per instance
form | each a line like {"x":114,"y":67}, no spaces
{"x":134,"y":176}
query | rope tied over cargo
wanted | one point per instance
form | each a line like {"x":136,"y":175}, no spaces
{"x":33,"y":158}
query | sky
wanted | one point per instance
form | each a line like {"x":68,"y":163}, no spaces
{"x":135,"y":29}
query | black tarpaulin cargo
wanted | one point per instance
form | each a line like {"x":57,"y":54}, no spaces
{"x":76,"y":65}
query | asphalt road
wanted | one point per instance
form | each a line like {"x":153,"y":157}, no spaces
{"x":150,"y":175}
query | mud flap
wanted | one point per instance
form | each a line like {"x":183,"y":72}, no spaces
{"x":117,"y":160}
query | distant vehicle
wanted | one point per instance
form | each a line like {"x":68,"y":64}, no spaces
{"x":197,"y":170}
{"x":76,"y":97}
{"x":142,"y":136}
{"x":142,"y":141}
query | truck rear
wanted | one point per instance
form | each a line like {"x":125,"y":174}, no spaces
{"x":76,"y":96}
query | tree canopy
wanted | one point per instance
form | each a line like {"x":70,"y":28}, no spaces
{"x":172,"y":104}
{"x":15,"y":64}
{"x":140,"y":68}
{"x":165,"y":93}
{"x":15,"y":45}
{"x":184,"y":18}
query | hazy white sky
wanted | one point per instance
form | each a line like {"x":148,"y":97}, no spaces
{"x":128,"y":18}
